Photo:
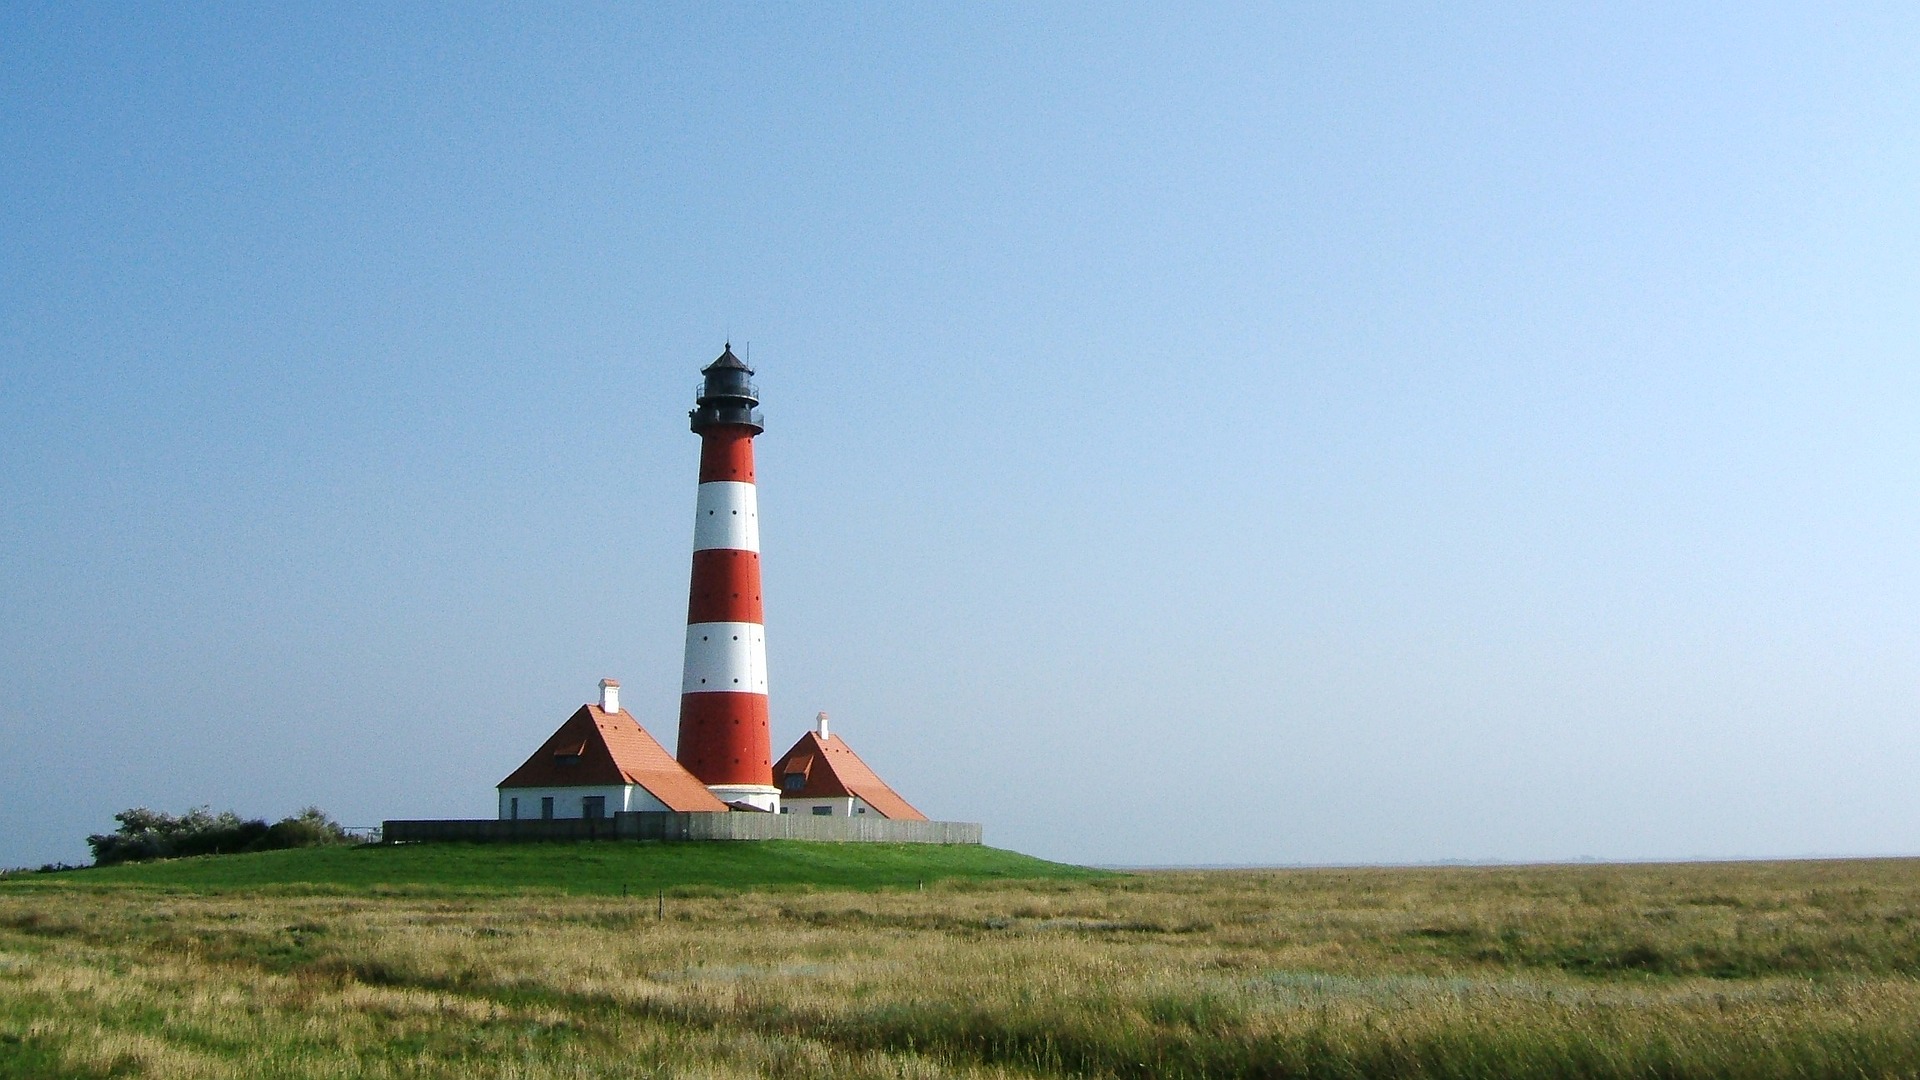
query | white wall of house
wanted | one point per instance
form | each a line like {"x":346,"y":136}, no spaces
{"x":763,"y":796}
{"x":567,"y":800}
{"x":841,"y":807}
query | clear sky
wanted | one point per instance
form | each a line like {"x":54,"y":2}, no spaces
{"x":1281,"y":433}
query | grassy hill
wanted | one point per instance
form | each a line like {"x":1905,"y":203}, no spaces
{"x":582,"y":868}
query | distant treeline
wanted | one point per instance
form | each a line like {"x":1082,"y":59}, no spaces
{"x":151,"y":834}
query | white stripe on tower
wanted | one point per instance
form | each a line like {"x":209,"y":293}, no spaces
{"x":727,"y":515}
{"x":725,"y":656}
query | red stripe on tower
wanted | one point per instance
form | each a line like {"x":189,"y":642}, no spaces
{"x":723,"y":692}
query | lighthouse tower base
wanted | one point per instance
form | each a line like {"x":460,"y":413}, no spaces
{"x":760,"y":796}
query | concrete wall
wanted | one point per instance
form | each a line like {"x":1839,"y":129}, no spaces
{"x":566,"y":800}
{"x":677,"y":826}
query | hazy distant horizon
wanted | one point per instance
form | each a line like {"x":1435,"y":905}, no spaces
{"x":1495,"y":864}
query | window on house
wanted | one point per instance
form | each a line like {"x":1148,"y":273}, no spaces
{"x":546,"y":808}
{"x":794,"y":781}
{"x":513,"y":809}
{"x":825,"y":810}
{"x":593,"y":806}
{"x":862,"y":810}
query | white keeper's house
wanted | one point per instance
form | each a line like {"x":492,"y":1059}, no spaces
{"x":822,"y":775}
{"x":601,"y":762}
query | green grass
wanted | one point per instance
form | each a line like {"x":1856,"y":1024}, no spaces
{"x":1796,"y":971}
{"x":590,"y":868}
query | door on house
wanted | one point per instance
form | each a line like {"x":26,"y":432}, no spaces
{"x":594,"y":807}
{"x":546,"y":808}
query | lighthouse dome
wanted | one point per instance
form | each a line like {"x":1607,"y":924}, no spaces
{"x":726,"y":361}
{"x":727,"y":396}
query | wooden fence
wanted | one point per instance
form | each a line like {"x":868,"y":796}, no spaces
{"x":661,"y":825}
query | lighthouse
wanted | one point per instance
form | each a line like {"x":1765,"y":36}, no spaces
{"x":723,"y":689}
{"x":602,"y":763}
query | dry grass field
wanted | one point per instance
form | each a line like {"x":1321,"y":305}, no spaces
{"x":1807,"y":969}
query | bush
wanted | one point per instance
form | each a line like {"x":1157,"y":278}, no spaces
{"x":150,"y":834}
{"x":308,"y":828}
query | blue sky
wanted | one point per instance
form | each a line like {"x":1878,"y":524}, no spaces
{"x":1377,"y":433}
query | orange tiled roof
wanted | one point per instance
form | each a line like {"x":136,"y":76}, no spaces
{"x":834,"y":771}
{"x":607,"y":749}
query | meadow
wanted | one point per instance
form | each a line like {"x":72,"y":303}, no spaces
{"x":1801,"y":969}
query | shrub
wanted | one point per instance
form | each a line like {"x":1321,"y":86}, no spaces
{"x":308,"y":828}
{"x":151,"y":834}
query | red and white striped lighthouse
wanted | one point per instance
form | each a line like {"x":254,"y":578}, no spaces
{"x":723,"y":692}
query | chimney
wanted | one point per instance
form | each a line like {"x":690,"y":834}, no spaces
{"x":609,"y":695}
{"x":821,"y":721}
